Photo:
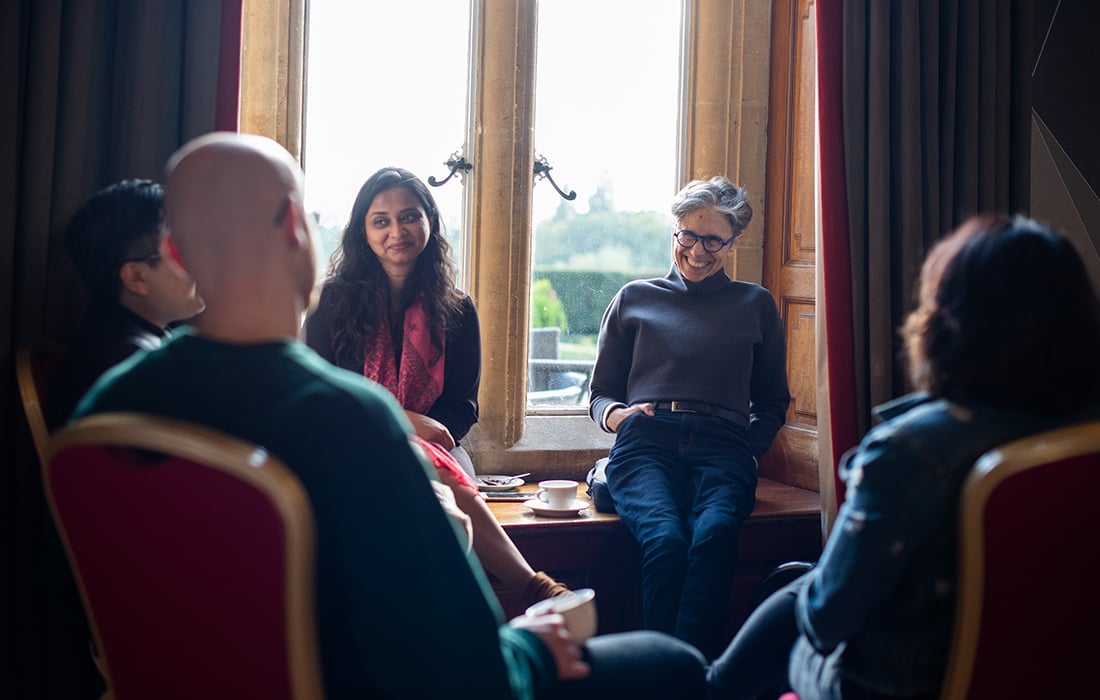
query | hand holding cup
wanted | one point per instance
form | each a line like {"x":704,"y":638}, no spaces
{"x":577,"y":608}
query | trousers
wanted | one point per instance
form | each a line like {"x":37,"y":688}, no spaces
{"x":683,"y":483}
{"x":640,"y":665}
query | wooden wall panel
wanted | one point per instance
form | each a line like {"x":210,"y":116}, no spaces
{"x":789,"y":250}
{"x":799,"y":321}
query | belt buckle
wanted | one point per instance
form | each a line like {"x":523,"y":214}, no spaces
{"x":675,"y":407}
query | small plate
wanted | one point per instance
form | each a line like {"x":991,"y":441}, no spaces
{"x":504,"y":482}
{"x":541,"y":508}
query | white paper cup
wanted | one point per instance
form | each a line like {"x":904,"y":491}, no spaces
{"x":559,"y":494}
{"x":577,"y":607}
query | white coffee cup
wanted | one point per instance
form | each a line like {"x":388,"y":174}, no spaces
{"x":559,"y":494}
{"x":577,"y":607}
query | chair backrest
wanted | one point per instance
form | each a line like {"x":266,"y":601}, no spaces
{"x":33,"y":370}
{"x":194,"y":555}
{"x":1029,"y":565}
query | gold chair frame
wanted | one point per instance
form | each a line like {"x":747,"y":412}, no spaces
{"x":247,"y":462}
{"x":30,"y":393}
{"x":992,"y":469}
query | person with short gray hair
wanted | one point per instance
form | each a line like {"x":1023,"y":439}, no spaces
{"x":719,"y":193}
{"x":691,"y":376}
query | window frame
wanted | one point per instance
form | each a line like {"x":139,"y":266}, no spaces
{"x":723,"y":130}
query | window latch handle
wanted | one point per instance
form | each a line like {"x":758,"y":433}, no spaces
{"x":458,"y":164}
{"x":542,"y":170}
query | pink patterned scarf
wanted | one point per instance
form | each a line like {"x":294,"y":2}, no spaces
{"x":419,"y":381}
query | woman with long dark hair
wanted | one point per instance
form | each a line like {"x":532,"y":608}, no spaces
{"x":391,"y":311}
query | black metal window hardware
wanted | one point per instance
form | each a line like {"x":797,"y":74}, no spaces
{"x":542,"y":170}
{"x":458,"y":164}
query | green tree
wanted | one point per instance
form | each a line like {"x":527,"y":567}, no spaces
{"x":565,"y":211}
{"x":610,"y":239}
{"x":602,"y":200}
{"x":547,"y":310}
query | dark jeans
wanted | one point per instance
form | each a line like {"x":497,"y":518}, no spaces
{"x":762,"y":658}
{"x":638,"y":665}
{"x":683,"y":483}
{"x":757,"y":658}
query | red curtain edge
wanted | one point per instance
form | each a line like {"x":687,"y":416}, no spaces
{"x":227,"y":109}
{"x":835,"y":253}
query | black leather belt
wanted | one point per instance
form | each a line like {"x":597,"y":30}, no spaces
{"x":705,"y":409}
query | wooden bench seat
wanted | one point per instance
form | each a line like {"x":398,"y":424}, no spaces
{"x":595,"y":550}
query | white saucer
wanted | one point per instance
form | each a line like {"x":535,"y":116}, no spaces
{"x":541,"y":508}
{"x":509,"y":485}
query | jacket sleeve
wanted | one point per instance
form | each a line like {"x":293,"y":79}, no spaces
{"x":457,"y":406}
{"x":881,"y":521}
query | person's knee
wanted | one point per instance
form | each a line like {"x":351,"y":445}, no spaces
{"x":463,"y":458}
{"x":721,"y":516}
{"x":664,"y":542}
{"x":717,"y":527}
{"x":648,"y":664}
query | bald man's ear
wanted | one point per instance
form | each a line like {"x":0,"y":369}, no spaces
{"x":296,"y":226}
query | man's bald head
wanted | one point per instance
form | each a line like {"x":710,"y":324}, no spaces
{"x":227,"y":183}
{"x":233,"y":207}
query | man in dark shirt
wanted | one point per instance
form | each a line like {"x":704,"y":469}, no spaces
{"x":135,"y":290}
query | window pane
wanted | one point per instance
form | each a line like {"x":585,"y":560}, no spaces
{"x":606,"y":107}
{"x":386,"y":86}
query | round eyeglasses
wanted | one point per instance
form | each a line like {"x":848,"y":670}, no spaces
{"x":711,"y":244}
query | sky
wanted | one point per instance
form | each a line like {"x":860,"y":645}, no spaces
{"x":387,"y":85}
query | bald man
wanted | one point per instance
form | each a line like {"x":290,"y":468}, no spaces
{"x":403,"y":607}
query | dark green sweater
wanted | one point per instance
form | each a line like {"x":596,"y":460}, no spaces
{"x":402,"y":610}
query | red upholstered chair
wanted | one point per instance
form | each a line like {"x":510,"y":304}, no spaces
{"x":1029,"y":565}
{"x":33,"y":369}
{"x":194,"y":555}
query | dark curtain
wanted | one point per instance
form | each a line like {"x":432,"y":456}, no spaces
{"x":925,"y":121}
{"x":95,"y":91}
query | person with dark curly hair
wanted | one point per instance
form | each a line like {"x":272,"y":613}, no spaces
{"x":390,"y":310}
{"x":1003,"y":344}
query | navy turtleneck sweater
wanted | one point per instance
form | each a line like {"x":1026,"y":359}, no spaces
{"x":717,"y":341}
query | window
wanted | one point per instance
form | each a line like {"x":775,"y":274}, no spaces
{"x":384,"y":89}
{"x":608,"y":128}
